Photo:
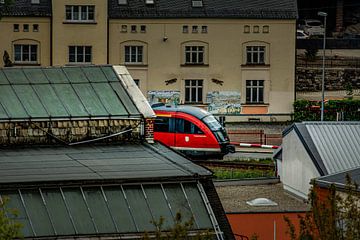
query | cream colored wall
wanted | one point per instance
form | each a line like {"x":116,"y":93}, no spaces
{"x":226,"y":42}
{"x":42,"y":38}
{"x":79,"y":34}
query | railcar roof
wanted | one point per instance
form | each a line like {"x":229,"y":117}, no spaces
{"x":195,"y":111}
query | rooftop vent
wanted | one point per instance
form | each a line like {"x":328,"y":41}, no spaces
{"x":197,"y":3}
{"x":261,"y":202}
{"x":149,"y":2}
{"x":122,"y":2}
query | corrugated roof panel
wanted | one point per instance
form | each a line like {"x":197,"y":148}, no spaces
{"x":11,"y":103}
{"x":15,"y":76}
{"x":338,"y":144}
{"x":90,"y":99}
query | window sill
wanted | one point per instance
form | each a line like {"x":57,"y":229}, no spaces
{"x":255,"y":104}
{"x":78,"y":63}
{"x":79,"y":22}
{"x":255,"y":65}
{"x":194,"y":65}
{"x":135,"y":65}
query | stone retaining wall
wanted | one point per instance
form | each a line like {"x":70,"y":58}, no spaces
{"x":309,"y":79}
{"x":44,"y":132}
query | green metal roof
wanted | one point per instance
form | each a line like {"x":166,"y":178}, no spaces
{"x":60,"y":93}
{"x":97,"y":162}
{"x":106,"y":209}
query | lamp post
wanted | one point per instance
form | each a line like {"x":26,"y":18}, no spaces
{"x":323,"y":14}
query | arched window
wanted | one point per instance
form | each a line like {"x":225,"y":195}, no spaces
{"x":134,"y":53}
{"x":195,"y":53}
{"x":26,"y":51}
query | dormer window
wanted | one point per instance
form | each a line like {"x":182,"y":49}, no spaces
{"x":197,"y":3}
{"x":80,"y":13}
{"x":149,"y":2}
{"x":122,"y":2}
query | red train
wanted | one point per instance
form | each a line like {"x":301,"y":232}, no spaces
{"x":191,"y":130}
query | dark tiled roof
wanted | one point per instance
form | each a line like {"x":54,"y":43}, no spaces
{"x":25,"y":8}
{"x":255,"y":9}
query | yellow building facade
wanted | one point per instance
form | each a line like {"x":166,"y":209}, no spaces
{"x":230,"y":59}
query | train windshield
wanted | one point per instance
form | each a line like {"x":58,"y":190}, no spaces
{"x":212,"y":123}
{"x":216,"y":128}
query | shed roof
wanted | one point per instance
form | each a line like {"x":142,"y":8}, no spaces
{"x":333,"y":146}
{"x":93,"y":163}
{"x":254,"y":9}
{"x":63,"y":93}
{"x":339,"y":179}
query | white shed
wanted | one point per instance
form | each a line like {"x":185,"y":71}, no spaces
{"x":313,"y":149}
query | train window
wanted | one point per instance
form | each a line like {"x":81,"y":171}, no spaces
{"x":162,"y":124}
{"x":184,"y":126}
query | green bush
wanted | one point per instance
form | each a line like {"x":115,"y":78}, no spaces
{"x":305,"y":110}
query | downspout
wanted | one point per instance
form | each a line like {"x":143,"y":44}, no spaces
{"x":51,"y":36}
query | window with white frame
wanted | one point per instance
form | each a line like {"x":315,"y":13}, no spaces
{"x":254,"y":91}
{"x":133,"y":54}
{"x":193,"y":91}
{"x":255,"y":55}
{"x":194,"y":54}
{"x":25,"y":53}
{"x":80,"y":54}
{"x":80,"y":13}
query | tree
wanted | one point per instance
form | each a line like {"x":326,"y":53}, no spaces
{"x":179,"y":231}
{"x":335,"y":218}
{"x":9,"y":228}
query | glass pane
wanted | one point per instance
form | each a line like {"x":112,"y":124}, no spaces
{"x":70,"y":100}
{"x":79,"y":211}
{"x":91,"y":10}
{"x":179,"y":125}
{"x":3,"y":79}
{"x":248,"y":94}
{"x":159,"y":205}
{"x":193,"y":95}
{"x":30,"y":101}
{"x":35,"y":75}
{"x":68,"y":12}
{"x":254,"y":97}
{"x":110,"y":74}
{"x":16,"y":205}
{"x":91,"y":101}
{"x":139,"y":208}
{"x":75,"y":12}
{"x":51,"y":102}
{"x":58,"y":212}
{"x":99,"y":210}
{"x":26,"y":51}
{"x":199,"y":98}
{"x":187,"y":94}
{"x":11,"y":103}
{"x":109,"y":99}
{"x":79,"y":55}
{"x":17,"y":49}
{"x":161,"y":124}
{"x":37,"y":212}
{"x":3,"y":114}
{"x":200,"y":212}
{"x":178,"y":201}
{"x":119,"y":209}
{"x":15,"y":76}
{"x":75,"y":75}
{"x":261,"y":94}
{"x":130,"y":107}
{"x":55,"y":75}
{"x":94,"y":74}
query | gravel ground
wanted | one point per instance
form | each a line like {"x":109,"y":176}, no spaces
{"x":233,"y":198}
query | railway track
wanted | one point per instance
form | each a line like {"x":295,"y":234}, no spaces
{"x":234,"y":165}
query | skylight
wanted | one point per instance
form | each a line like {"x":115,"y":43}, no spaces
{"x":261,"y":202}
{"x":122,"y":2}
{"x":197,"y":3}
{"x":149,"y":1}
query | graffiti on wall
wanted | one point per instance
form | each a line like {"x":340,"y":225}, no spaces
{"x":166,"y":97}
{"x":224,"y":102}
